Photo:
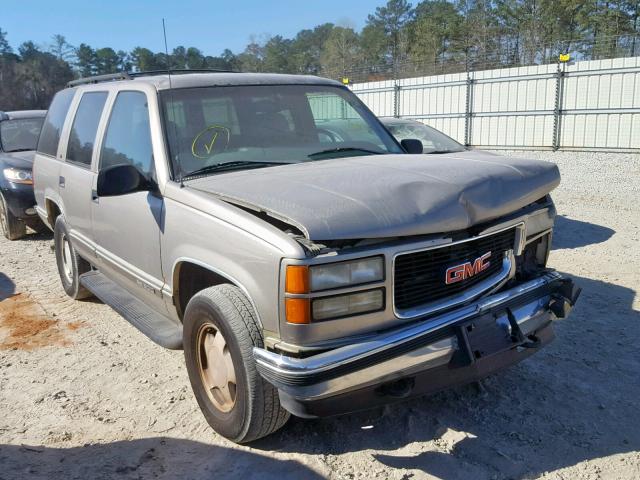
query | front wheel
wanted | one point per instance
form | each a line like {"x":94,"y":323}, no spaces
{"x":11,"y":227}
{"x":70,"y":264}
{"x":220,"y":331}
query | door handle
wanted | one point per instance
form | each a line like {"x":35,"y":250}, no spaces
{"x":94,"y":196}
{"x":61,"y":181}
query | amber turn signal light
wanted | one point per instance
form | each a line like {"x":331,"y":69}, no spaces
{"x":297,"y":279}
{"x":298,"y":310}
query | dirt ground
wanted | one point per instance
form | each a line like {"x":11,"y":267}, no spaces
{"x":85,"y":395}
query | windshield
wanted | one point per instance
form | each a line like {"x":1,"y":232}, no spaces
{"x":432,"y":140}
{"x":251,"y":126}
{"x":20,"y":135}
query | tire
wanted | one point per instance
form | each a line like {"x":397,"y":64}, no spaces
{"x":70,"y":264}
{"x":255,"y":411}
{"x":12,"y":228}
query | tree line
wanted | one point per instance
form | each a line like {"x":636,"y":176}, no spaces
{"x":398,"y":39}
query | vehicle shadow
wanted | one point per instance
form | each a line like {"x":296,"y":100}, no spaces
{"x":32,"y":236}
{"x":573,"y":401}
{"x":7,"y":287}
{"x":570,"y":233}
{"x":146,"y":458}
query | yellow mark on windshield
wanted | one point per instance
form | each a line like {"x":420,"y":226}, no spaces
{"x":204,"y":143}
{"x":209,"y":147}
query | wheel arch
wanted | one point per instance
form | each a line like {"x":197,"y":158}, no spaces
{"x":53,"y":211}
{"x":191,"y":276}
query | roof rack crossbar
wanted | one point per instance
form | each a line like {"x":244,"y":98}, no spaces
{"x":109,"y":77}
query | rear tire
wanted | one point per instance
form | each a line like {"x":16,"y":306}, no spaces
{"x":220,"y":329}
{"x":70,"y":264}
{"x":12,"y":227}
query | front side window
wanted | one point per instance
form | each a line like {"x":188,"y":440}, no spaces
{"x":127,"y":140}
{"x":85,"y":127}
{"x":52,"y":127}
{"x":217,"y":128}
{"x":20,"y":135}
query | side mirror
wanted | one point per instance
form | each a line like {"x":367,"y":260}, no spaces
{"x":411,"y":145}
{"x":120,"y":180}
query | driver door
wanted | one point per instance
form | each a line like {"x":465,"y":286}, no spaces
{"x":126,"y":228}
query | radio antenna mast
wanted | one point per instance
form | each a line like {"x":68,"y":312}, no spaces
{"x":175,"y":132}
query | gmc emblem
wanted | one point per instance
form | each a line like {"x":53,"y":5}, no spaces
{"x":467,"y":270}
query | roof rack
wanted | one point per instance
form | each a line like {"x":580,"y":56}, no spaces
{"x":178,"y":71}
{"x":111,"y":77}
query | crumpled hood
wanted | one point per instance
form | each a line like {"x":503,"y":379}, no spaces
{"x":388,"y":195}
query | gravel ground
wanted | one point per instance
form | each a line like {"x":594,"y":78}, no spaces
{"x":85,"y":395}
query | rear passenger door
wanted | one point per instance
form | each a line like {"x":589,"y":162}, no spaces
{"x":126,"y":228}
{"x":76,"y":174}
{"x":49,"y":157}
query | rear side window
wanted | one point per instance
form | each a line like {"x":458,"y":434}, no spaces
{"x":50,"y":135}
{"x":128,"y":136}
{"x":85,"y":126}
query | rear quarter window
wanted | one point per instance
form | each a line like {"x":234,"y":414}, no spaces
{"x":50,"y":134}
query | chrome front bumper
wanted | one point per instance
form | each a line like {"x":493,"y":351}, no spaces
{"x":505,"y":321}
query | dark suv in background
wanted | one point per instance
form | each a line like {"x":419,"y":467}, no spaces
{"x":19,"y":132}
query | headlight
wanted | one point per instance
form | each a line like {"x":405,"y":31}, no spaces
{"x":330,"y":308}
{"x":17,"y":175}
{"x":302,"y":281}
{"x":346,"y":274}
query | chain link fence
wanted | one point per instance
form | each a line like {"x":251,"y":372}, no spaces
{"x":504,"y":53}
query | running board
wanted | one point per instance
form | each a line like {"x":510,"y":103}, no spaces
{"x":154,"y":325}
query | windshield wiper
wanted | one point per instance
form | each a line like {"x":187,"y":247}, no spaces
{"x":344,"y":149}
{"x":239,"y":164}
{"x":20,"y":150}
{"x":436,"y":152}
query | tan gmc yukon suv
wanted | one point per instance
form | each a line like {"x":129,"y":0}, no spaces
{"x":306,"y":261}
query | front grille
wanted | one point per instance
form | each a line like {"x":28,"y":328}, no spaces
{"x":419,"y":277}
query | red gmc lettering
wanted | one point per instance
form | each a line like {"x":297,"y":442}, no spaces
{"x":467,"y":270}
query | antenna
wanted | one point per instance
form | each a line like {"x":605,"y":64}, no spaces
{"x":166,"y":50}
{"x":173,"y":104}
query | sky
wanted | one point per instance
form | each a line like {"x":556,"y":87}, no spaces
{"x":210,"y":25}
